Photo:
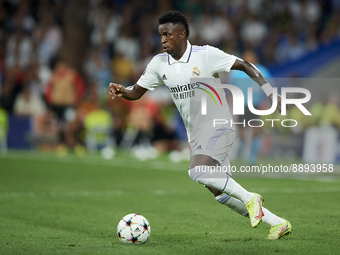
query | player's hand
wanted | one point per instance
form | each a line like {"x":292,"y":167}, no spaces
{"x":115,"y":90}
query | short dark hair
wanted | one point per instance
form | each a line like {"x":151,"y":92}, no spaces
{"x":174,"y":17}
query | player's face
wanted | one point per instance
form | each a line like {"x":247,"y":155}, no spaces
{"x":172,"y":38}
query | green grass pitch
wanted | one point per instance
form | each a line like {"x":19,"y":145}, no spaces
{"x":71,"y":205}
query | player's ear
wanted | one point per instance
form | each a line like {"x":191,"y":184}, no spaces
{"x":182,"y":34}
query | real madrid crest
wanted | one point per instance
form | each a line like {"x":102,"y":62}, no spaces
{"x":196,"y":72}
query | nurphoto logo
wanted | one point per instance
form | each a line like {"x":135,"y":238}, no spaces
{"x":238,"y":105}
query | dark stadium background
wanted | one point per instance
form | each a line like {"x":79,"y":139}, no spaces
{"x":103,"y":41}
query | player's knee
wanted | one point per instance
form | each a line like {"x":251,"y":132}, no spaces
{"x":204,"y":176}
{"x":194,"y":173}
{"x":198,"y":174}
{"x":191,"y":173}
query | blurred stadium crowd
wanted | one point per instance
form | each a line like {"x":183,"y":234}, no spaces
{"x":67,"y":102}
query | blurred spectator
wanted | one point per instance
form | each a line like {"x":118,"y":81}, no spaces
{"x":253,"y":31}
{"x":65,"y":89}
{"x":122,"y":68}
{"x":73,"y":132}
{"x":327,"y":112}
{"x":120,"y":111}
{"x":321,"y":138}
{"x":64,"y":92}
{"x":7,"y":96}
{"x":209,"y":24}
{"x":147,"y":127}
{"x":4,"y":126}
{"x":143,"y":60}
{"x":140,"y":123}
{"x":48,"y":38}
{"x":98,"y":125}
{"x":312,"y":10}
{"x":45,"y":134}
{"x":37,"y":77}
{"x":28,"y":104}
{"x":19,"y":49}
{"x":105,"y":24}
{"x":127,"y":44}
{"x":12,"y":85}
{"x":290,"y":48}
{"x":98,"y":70}
{"x":23,"y":17}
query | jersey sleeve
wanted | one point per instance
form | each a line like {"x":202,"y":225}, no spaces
{"x":150,"y":78}
{"x":219,"y":61}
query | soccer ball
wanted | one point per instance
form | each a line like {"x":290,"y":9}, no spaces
{"x":133,"y":229}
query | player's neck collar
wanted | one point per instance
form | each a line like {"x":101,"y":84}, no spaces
{"x":185,"y":58}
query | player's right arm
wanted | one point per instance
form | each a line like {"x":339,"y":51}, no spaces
{"x":149,"y":80}
{"x":130,"y":93}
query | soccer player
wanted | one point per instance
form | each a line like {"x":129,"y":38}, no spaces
{"x":209,"y":146}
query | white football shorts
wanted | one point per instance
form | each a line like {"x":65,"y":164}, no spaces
{"x":216,"y":143}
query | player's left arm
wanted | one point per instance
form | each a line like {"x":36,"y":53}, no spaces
{"x":254,"y":73}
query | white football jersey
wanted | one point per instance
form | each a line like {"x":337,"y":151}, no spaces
{"x":183,"y":80}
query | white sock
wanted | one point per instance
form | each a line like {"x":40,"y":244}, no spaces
{"x":239,"y":207}
{"x":270,"y":218}
{"x":233,"y":203}
{"x":234,"y":189}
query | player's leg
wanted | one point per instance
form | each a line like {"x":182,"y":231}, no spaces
{"x":239,"y":207}
{"x":211,"y":176}
{"x":210,"y":166}
{"x":233,"y":203}
{"x":217,"y":182}
{"x":279,"y":226}
{"x":221,"y":181}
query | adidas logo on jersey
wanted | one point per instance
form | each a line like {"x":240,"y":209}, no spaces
{"x":199,"y":147}
{"x":164,"y":77}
